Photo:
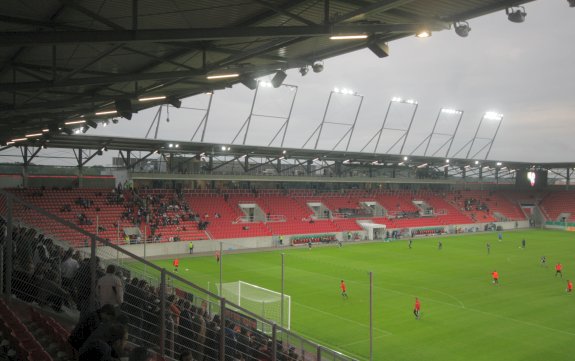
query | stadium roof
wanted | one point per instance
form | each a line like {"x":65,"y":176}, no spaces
{"x":233,"y":152}
{"x":63,"y":60}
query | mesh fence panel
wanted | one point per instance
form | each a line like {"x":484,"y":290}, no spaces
{"x":163,"y":311}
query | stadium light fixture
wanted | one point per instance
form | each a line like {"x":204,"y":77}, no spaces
{"x":72,"y":122}
{"x":114,"y":120}
{"x":171,"y":145}
{"x":493,"y":116}
{"x":150,"y":99}
{"x":450,"y":111}
{"x":447,"y":161}
{"x":423,"y":33}
{"x":105,"y":123}
{"x":462,"y":28}
{"x":106,"y":112}
{"x":19,"y":140}
{"x":401,"y":163}
{"x":405,"y":158}
{"x":476,"y":162}
{"x":34,"y":135}
{"x":348,"y":37}
{"x":401,"y":100}
{"x":344,"y":91}
{"x":222,"y":76}
{"x":422,"y":165}
{"x":265,"y":84}
{"x":317,"y":67}
{"x":571,"y":3}
{"x":223,"y":148}
{"x":303,"y":70}
{"x":498,"y":164}
{"x":516,"y":15}
{"x":315,"y":159}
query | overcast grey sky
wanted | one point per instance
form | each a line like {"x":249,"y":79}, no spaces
{"x":524,"y":71}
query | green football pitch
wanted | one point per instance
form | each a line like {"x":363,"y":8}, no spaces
{"x":528,"y":316}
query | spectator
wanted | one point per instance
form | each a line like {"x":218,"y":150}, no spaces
{"x":89,"y":324}
{"x":110,"y":288}
{"x":116,"y":339}
{"x":141,"y":354}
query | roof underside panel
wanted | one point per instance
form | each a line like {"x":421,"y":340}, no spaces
{"x":61,"y":59}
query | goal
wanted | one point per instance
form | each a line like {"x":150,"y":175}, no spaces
{"x":259,"y":300}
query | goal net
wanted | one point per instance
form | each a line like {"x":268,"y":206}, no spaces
{"x":261,"y":301}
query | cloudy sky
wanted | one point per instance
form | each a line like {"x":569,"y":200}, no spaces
{"x":524,"y":71}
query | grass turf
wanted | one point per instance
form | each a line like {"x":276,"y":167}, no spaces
{"x":528,"y":316}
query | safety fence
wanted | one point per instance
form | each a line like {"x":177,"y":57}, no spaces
{"x":162,"y":310}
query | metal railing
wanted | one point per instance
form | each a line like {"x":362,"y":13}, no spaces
{"x":163,"y":310}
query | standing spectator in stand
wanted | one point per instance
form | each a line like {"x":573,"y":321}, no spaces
{"x":110,"y":288}
{"x":559,"y":270}
{"x":69,"y":267}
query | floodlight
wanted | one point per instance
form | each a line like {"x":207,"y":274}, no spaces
{"x":279,"y":78}
{"x":462,"y":28}
{"x":424,"y":33}
{"x":493,"y":116}
{"x":447,"y":161}
{"x":571,"y":3}
{"x":450,"y":111}
{"x":498,"y":163}
{"x":19,"y":140}
{"x":84,"y":129}
{"x":67,"y":131}
{"x":114,"y":120}
{"x":516,"y":15}
{"x":303,"y":70}
{"x":105,"y":123}
{"x":422,"y":165}
{"x":317,"y":67}
{"x":405,"y":158}
{"x":476,"y":162}
{"x":223,"y":147}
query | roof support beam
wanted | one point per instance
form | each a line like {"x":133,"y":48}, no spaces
{"x":155,"y":35}
{"x":380,"y":6}
{"x":281,"y":11}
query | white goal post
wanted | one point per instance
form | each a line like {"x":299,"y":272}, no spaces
{"x":259,"y":300}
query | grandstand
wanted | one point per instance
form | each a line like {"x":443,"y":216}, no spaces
{"x":74,"y":239}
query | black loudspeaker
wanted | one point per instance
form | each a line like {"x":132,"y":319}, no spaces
{"x":124,"y":108}
{"x":381,"y":50}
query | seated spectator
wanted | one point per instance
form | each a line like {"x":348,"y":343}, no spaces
{"x":115,"y":338}
{"x":141,"y":354}
{"x":89,"y":324}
